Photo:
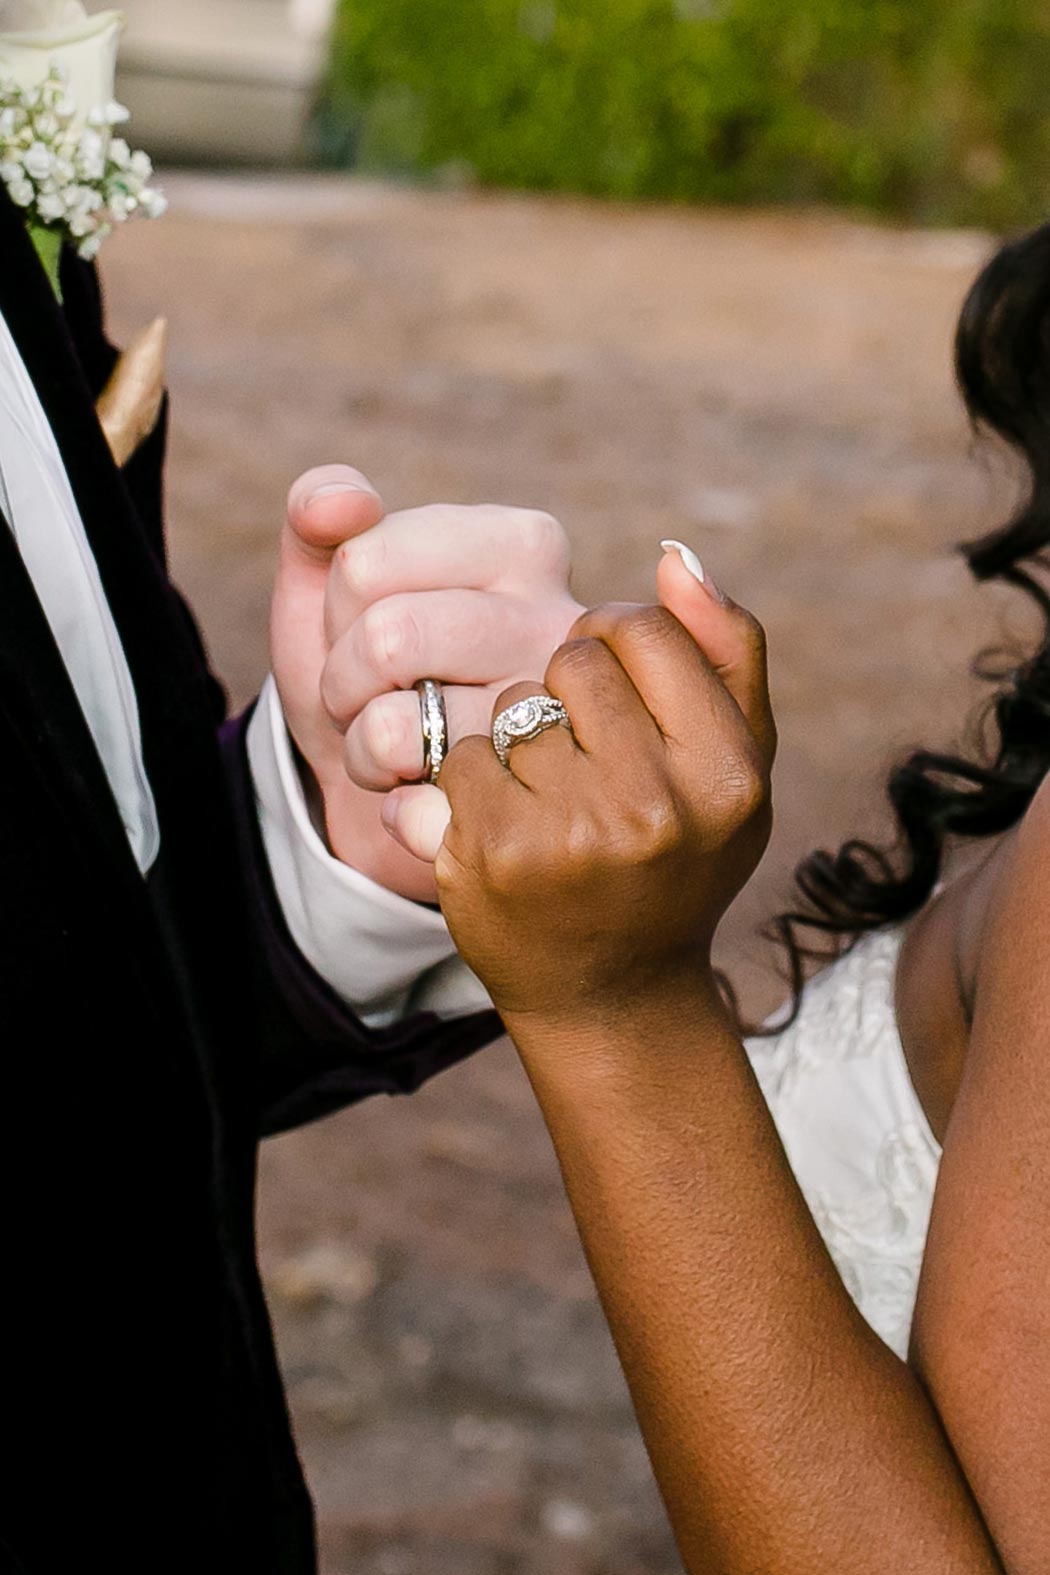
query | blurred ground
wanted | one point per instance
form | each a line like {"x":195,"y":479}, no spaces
{"x":776,"y":391}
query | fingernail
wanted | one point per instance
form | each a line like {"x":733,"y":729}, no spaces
{"x":388,"y":815}
{"x":332,"y":489}
{"x":693,"y":565}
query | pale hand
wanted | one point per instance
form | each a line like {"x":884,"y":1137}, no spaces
{"x":366,"y":604}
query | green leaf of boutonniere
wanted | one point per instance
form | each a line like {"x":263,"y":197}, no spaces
{"x":48,"y":244}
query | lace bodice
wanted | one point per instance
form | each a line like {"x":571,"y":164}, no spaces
{"x":838,"y":1087}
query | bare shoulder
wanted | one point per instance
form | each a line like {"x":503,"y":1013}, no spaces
{"x":982,"y":1324}
{"x":1035,"y":827}
{"x":1010,"y":1032}
{"x":1017,"y":918}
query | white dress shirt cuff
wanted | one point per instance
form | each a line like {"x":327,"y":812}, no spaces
{"x":383,"y":955}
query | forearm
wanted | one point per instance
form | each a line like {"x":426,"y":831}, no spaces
{"x":785,"y":1436}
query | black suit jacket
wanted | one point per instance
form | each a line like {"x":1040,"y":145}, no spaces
{"x":152,"y":1031}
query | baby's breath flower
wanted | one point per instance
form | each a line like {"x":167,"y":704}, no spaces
{"x":89,"y":248}
{"x":91,"y":154}
{"x":69,"y":172}
{"x":39,"y":162}
{"x":153,"y":203}
{"x":51,"y":208}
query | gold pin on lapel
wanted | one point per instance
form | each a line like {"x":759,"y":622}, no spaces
{"x":129,"y":405}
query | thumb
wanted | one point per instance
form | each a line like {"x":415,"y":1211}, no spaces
{"x":729,"y":636}
{"x":417,"y":817}
{"x":327,"y":506}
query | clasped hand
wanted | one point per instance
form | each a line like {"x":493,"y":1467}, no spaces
{"x":585,"y":880}
{"x":365,"y":604}
{"x":597,"y":865}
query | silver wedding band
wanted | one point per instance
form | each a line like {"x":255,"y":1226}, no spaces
{"x":525,"y":720}
{"x":434,"y":722}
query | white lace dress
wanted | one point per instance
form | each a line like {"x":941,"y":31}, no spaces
{"x":838,"y":1087}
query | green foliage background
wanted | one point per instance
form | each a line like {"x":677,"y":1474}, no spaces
{"x":938,"y":110}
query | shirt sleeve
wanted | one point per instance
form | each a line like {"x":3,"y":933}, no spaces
{"x":383,"y":955}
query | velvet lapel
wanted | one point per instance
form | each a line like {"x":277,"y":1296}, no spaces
{"x":165,"y":664}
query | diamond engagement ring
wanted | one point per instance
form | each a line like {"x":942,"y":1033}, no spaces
{"x":434,"y":721}
{"x":525,"y":720}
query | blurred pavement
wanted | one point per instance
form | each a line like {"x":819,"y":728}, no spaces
{"x":774,"y":390}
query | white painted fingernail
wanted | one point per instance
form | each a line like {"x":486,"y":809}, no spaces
{"x":688,"y":557}
{"x":696,"y":569}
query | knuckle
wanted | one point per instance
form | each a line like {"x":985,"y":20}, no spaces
{"x":384,"y":734}
{"x":390,"y":636}
{"x":584,"y":837}
{"x":542,"y":539}
{"x":633,"y":623}
{"x":509,"y":863}
{"x":651,"y":827}
{"x":449,"y":869}
{"x":463,"y":764}
{"x":358,"y":561}
{"x":647,"y":625}
{"x":745,"y":789}
{"x":576,"y":658}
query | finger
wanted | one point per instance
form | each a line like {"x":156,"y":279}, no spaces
{"x":324,"y":507}
{"x":536,"y":762}
{"x":673,"y":677}
{"x":417,"y":818}
{"x":456,"y":637}
{"x":474,"y":790}
{"x":384,"y":745}
{"x":443,"y":546}
{"x":485,"y":798}
{"x":729,"y":636}
{"x":327,"y":506}
{"x":598,"y":694}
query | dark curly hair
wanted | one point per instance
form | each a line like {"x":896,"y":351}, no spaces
{"x":1002,"y":360}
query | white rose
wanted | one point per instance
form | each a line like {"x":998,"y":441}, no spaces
{"x":36,"y":34}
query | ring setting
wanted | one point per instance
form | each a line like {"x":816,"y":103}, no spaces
{"x":434,"y":721}
{"x":526,"y":720}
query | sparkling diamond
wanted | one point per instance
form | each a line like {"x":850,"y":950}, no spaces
{"x":524,"y":715}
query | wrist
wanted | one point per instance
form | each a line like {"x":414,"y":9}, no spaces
{"x":613,"y":1030}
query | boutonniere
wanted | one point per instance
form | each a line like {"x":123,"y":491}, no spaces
{"x":60,"y":156}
